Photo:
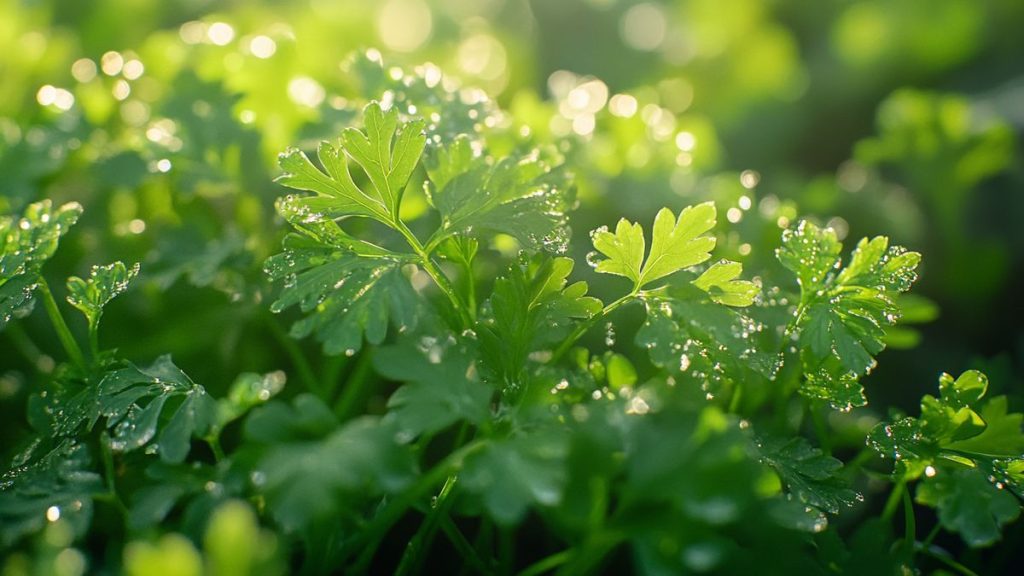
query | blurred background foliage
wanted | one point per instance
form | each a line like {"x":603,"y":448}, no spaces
{"x":164,"y":120}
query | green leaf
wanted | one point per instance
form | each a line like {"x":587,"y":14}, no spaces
{"x":441,"y":385}
{"x":346,"y":293}
{"x":1001,"y":435}
{"x":531,"y":307}
{"x":517,"y":195}
{"x":26,"y":243}
{"x":676,"y":244}
{"x":969,"y":504}
{"x":967,"y":448}
{"x":843,"y":313}
{"x":248,"y":391}
{"x":811,"y":253}
{"x":306,"y":418}
{"x":104,"y":284}
{"x":966,"y":390}
{"x":696,"y":339}
{"x":133,"y":424}
{"x":513,"y":475}
{"x":59,"y":484}
{"x":807,"y":473}
{"x":388,"y":152}
{"x":314,"y":481}
{"x":831,"y":382}
{"x":719,"y":281}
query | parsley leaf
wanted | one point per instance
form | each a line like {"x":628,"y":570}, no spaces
{"x":311,"y":481}
{"x":966,"y":448}
{"x":388,"y":152}
{"x":522,"y":196}
{"x":687,"y":334}
{"x":61,"y":479}
{"x":531,"y":306}
{"x":441,"y":388}
{"x":104,"y":284}
{"x":676,"y":244}
{"x":969,"y":504}
{"x":809,"y":474}
{"x":26,"y":243}
{"x":511,"y":475}
{"x":842,"y":315}
{"x":347,"y":286}
{"x":720,"y":282}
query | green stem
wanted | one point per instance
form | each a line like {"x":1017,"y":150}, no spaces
{"x":587,"y":556}
{"x":63,"y":332}
{"x":435,"y":273}
{"x":585,"y":326}
{"x":909,"y":522}
{"x":356,"y":385}
{"x":24,"y":345}
{"x":964,"y":570}
{"x":464,"y":548}
{"x":894,"y":499}
{"x":470,"y":288}
{"x":931,"y":535}
{"x":299,"y":361}
{"x":545,"y":565}
{"x":376,"y":529}
{"x":415,"y":551}
{"x":108,"y":462}
{"x":214,"y":443}
{"x":94,"y":339}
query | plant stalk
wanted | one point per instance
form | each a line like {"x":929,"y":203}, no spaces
{"x":435,"y":273}
{"x":63,"y":332}
{"x":393,"y":511}
{"x":585,"y":326}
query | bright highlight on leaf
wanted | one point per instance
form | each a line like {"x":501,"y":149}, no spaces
{"x":388,"y":152}
{"x":104,"y":284}
{"x":676,"y":244}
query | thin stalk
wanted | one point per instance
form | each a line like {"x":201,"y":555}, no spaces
{"x":464,"y":547}
{"x":24,"y":345}
{"x":109,"y":475}
{"x":435,"y":273}
{"x":94,"y":339}
{"x":376,"y":529}
{"x":585,"y":326}
{"x":909,"y":523}
{"x":931,"y":536}
{"x":470,"y":287}
{"x":214,"y":443}
{"x":951,"y":563}
{"x":299,"y":360}
{"x":894,"y":499}
{"x":356,"y":384}
{"x":590,"y":554}
{"x":548,"y":564}
{"x":63,"y":332}
{"x":416,"y":551}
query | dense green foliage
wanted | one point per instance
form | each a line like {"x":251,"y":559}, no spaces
{"x":427,"y":341}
